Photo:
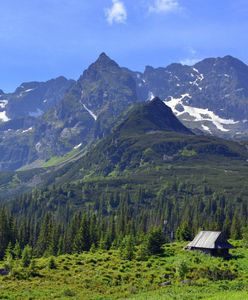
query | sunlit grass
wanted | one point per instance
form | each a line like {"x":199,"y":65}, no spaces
{"x":103,"y":275}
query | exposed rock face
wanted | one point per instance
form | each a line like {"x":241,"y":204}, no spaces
{"x":47,"y":119}
{"x":35,"y":98}
{"x":211,"y":96}
{"x":40,"y":120}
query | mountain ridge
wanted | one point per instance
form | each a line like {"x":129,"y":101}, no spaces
{"x":85,"y":110}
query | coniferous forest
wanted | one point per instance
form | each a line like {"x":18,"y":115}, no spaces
{"x":68,"y":219}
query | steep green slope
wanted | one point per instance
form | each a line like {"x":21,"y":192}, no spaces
{"x":151,"y":135}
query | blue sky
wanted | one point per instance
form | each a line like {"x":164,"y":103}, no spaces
{"x":42,"y":39}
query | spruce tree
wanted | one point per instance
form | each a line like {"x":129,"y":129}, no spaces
{"x":155,"y":241}
{"x":235,"y":230}
{"x":82,"y":240}
{"x":26,"y":256}
{"x":17,"y":251}
{"x":8,"y":258}
{"x":127,"y":248}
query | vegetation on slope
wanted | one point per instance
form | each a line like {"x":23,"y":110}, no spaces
{"x":174,"y":274}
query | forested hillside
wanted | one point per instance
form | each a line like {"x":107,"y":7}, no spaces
{"x":149,"y":173}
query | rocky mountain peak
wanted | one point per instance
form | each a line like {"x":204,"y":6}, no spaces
{"x":157,"y":103}
{"x":104,"y":61}
{"x":148,"y":69}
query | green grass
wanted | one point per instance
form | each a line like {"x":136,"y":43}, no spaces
{"x":56,"y":160}
{"x":104,"y":276}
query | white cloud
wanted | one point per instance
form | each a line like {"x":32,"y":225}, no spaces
{"x":117,"y":13}
{"x":164,"y":6}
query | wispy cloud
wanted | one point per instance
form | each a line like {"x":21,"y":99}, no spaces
{"x":191,"y":58}
{"x":117,"y":13}
{"x":164,"y":6}
{"x":189,"y":61}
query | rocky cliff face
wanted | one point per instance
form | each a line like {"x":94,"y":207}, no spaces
{"x":40,"y":120}
{"x":33,"y":99}
{"x":53,"y":118}
{"x":211,"y":96}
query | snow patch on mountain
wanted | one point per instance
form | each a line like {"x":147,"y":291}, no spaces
{"x":3,"y":116}
{"x":90,"y":112}
{"x":206,"y":128}
{"x":27,"y":130}
{"x":198,"y":114}
{"x":36,"y":113}
{"x":199,"y":78}
{"x":78,"y":146}
{"x":3,"y":103}
{"x":150,"y":96}
{"x":28,"y":90}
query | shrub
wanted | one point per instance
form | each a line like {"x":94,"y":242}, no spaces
{"x":33,"y":270}
{"x":217,"y":273}
{"x":182,"y":269}
{"x":52,"y":264}
{"x":69,"y":293}
{"x":142,"y":252}
{"x":245,"y":237}
{"x":127,"y":248}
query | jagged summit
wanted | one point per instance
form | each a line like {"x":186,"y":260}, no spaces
{"x":103,"y":55}
{"x":103,"y":64}
{"x":105,"y":61}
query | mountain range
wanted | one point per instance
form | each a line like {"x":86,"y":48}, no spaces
{"x":147,"y":139}
{"x":43,"y":121}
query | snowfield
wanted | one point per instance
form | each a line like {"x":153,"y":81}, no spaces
{"x":198,"y":114}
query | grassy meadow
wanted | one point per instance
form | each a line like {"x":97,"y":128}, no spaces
{"x":103,"y":275}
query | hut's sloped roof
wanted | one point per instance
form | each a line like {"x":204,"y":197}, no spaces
{"x":209,"y":240}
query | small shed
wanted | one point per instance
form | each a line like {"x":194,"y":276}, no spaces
{"x":210,"y":242}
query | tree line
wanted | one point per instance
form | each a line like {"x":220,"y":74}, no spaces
{"x":80,"y":217}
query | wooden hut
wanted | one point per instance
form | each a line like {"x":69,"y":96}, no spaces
{"x":210,"y":242}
